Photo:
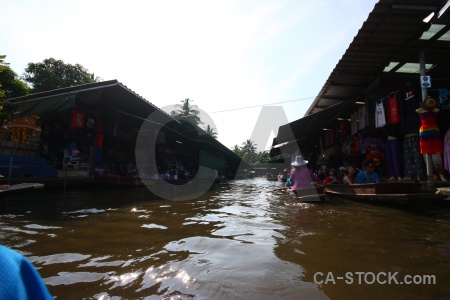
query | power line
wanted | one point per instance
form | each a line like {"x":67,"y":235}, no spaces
{"x":260,"y":105}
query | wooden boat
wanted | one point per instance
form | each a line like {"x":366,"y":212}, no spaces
{"x":384,"y":192}
{"x":308,"y":194}
{"x":6,"y":189}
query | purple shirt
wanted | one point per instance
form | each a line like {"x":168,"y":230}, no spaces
{"x":303,"y":177}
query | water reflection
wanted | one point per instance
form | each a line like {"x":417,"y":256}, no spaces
{"x":244,"y":241}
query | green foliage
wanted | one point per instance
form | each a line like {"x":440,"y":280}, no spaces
{"x":187,"y":111}
{"x":248,"y":152}
{"x":211,"y":131}
{"x":55,"y":74}
{"x":263,"y":156}
{"x":10,"y":87}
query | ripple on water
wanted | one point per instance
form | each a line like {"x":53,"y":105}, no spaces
{"x":68,"y":278}
{"x":36,"y":226}
{"x":154,"y":226}
{"x":59,"y":258}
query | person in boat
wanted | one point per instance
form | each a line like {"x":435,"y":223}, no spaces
{"x":323,"y":173}
{"x":301,"y":176}
{"x":349,"y":177}
{"x":280,"y":176}
{"x":332,"y":178}
{"x":342,"y":172}
{"x":369,"y":175}
{"x":288,"y":183}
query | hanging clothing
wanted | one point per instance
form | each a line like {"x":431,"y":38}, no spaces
{"x":412,"y":160}
{"x":447,"y":151}
{"x":393,"y":157}
{"x":393,"y":109}
{"x":354,"y":122}
{"x":78,"y":118}
{"x":380,"y":117}
{"x":430,"y":136}
{"x":361,"y":117}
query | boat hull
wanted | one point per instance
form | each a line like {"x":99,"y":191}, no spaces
{"x":375,"y":188}
{"x":308,"y":194}
{"x":385,"y":193}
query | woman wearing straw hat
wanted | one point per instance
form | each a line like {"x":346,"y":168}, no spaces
{"x":301,"y":176}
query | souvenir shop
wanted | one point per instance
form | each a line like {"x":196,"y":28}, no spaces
{"x":407,"y":138}
{"x":82,"y":137}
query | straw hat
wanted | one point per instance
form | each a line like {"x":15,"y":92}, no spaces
{"x":299,"y":161}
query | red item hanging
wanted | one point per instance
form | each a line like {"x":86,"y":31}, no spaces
{"x":393,"y":109}
{"x":78,"y":118}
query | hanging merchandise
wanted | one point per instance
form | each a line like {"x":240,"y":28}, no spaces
{"x":326,"y":139}
{"x":361,"y":117}
{"x":447,"y":151}
{"x":354,"y":122}
{"x":444,"y":102}
{"x":409,"y":101}
{"x":90,"y":129}
{"x":331,"y":134}
{"x":100,"y":138}
{"x":78,"y":118}
{"x":429,"y":134}
{"x":342,"y":129}
{"x":380,"y":117}
{"x":393,"y":108}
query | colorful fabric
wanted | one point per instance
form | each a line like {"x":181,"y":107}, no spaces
{"x":380,"y":117}
{"x":19,"y":279}
{"x":303,"y":177}
{"x":393,"y":109}
{"x":78,"y":118}
{"x":429,"y":134}
{"x":447,"y":151}
{"x":393,"y":157}
{"x":412,"y":160}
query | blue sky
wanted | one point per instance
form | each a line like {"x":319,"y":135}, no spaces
{"x":224,"y":55}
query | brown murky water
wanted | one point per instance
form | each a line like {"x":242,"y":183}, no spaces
{"x":238,"y":242}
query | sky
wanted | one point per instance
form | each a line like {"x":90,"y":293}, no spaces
{"x":230,"y":57}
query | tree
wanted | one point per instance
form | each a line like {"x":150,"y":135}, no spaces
{"x":263,"y":156}
{"x":10,"y":87}
{"x":211,"y":131}
{"x":55,"y":74}
{"x":248,"y":151}
{"x":237,"y":150}
{"x":187,"y":111}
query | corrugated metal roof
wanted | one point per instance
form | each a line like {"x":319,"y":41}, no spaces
{"x":390,"y":34}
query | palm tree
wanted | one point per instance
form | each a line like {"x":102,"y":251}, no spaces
{"x":237,"y":150}
{"x":187,"y":111}
{"x":248,"y":150}
{"x":211,"y":131}
{"x":263,"y":156}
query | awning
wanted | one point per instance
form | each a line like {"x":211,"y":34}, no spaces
{"x":43,"y":105}
{"x":311,"y":124}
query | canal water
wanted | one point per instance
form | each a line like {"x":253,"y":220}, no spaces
{"x":240,"y":241}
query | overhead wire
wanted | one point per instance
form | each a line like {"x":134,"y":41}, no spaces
{"x":261,"y":105}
